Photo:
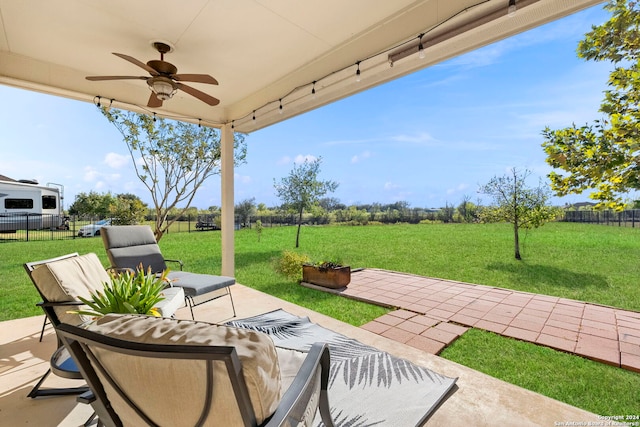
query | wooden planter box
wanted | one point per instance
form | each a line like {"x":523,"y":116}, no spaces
{"x":333,"y":278}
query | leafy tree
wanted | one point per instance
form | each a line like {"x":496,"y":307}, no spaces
{"x":127,"y":209}
{"x":245,"y":209}
{"x":331,"y":204}
{"x":517,"y":204}
{"x":302,"y":189}
{"x":92,"y":203}
{"x":172,"y":159}
{"x":604,"y":155}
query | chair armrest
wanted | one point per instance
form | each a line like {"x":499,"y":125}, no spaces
{"x":299,"y":400}
{"x":118,"y":270}
{"x":59,"y":304}
{"x":175,"y":260}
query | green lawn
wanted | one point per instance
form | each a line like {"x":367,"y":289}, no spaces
{"x":585,"y":262}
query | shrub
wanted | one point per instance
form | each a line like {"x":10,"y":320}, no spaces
{"x":290,"y":265}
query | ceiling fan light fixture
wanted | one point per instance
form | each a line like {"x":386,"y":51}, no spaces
{"x":163,"y":87}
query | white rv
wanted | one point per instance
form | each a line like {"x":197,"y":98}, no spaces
{"x":26,"y":205}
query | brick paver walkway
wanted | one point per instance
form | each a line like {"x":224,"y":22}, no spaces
{"x":432,"y":313}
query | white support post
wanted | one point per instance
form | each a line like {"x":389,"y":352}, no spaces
{"x":227,"y":225}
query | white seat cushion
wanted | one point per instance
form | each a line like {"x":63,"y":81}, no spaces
{"x":68,"y":279}
{"x":171,"y":391}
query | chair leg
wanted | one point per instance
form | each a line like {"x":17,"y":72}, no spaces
{"x":190,"y":304}
{"x":37,"y":392}
{"x":43,"y":326}
{"x":232,"y":304}
{"x":34,"y":391}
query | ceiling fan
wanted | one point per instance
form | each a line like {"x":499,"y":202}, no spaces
{"x":164,"y":82}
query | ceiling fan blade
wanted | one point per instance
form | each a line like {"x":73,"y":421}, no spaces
{"x":136,"y":62}
{"x":98,"y":78}
{"x":196,"y":78}
{"x":199,"y":94}
{"x":154,"y":101}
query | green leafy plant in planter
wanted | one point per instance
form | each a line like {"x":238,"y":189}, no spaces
{"x":129,"y":293}
{"x":331,"y":274}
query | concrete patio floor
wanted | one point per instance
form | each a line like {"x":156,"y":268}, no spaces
{"x":478,"y":400}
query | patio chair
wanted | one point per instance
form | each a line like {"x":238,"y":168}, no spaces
{"x":129,"y":245}
{"x":60,"y":281}
{"x":158,"y":371}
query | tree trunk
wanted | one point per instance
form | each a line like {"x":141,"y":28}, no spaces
{"x":516,"y":241}
{"x":299,"y":224}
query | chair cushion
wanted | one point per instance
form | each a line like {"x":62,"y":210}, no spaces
{"x":171,"y":391}
{"x":129,"y":245}
{"x":195,"y":284}
{"x":68,"y":279}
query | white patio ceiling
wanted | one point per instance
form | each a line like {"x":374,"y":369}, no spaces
{"x":260,"y":51}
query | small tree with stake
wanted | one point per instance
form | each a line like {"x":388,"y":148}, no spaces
{"x":517,"y":204}
{"x":302,"y":189}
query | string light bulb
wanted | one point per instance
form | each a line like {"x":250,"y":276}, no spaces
{"x":280,"y":111}
{"x":254,"y":115}
{"x":511,"y":11}
{"x":421,"y":48}
{"x":358,"y":72}
{"x":313,"y":90}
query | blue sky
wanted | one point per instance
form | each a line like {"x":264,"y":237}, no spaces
{"x":429,"y":138}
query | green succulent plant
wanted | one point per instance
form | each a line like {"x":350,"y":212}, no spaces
{"x":128,"y":292}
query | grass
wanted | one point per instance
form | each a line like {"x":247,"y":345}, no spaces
{"x":590,"y":385}
{"x":579,"y":261}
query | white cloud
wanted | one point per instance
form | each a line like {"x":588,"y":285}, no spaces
{"x":284,"y":160}
{"x":90,"y":174}
{"x":301,"y":159}
{"x":390,"y":186}
{"x":457,"y":189}
{"x":243,"y":179}
{"x":419,"y":138}
{"x":115,"y":160}
{"x":361,"y":156}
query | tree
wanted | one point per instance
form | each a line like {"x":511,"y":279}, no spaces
{"x":604,"y":155}
{"x":172,"y":159}
{"x":93,"y":204}
{"x":127,"y":209}
{"x":245,"y":209}
{"x":517,"y":204}
{"x":301,"y":189}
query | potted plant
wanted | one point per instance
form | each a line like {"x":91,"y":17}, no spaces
{"x":129,"y":293}
{"x":330,"y":274}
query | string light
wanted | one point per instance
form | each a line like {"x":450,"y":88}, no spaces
{"x":391,"y":60}
{"x":511,"y":11}
{"x":199,"y":123}
{"x":233,"y":124}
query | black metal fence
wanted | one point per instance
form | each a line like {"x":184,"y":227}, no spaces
{"x":628,"y":218}
{"x":32,"y":227}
